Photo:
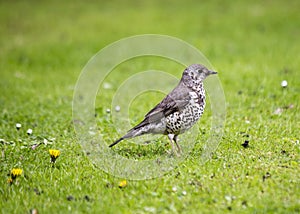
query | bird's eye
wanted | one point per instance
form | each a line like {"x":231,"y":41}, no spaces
{"x":199,"y":70}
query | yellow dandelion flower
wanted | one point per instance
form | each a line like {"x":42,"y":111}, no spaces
{"x":123,"y":184}
{"x":15,"y":172}
{"x":9,"y":180}
{"x":54,"y":154}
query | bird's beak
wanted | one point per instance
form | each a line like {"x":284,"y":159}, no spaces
{"x":213,"y":72}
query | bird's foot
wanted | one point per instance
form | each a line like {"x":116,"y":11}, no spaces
{"x":174,"y":152}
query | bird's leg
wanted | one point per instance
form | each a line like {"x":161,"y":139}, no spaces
{"x":178,"y":146}
{"x":172,"y":138}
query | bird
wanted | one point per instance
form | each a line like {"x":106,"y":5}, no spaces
{"x":178,"y":111}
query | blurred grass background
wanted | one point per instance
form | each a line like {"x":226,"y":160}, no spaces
{"x":253,"y":45}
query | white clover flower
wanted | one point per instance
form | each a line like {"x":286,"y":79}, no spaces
{"x":29,"y":131}
{"x":18,"y":125}
{"x":284,"y":84}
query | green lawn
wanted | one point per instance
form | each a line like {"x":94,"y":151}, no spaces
{"x":254,"y":46}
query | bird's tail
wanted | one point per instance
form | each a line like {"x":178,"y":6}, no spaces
{"x":116,"y":142}
{"x":134,"y":132}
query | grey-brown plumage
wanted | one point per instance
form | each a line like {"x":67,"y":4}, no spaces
{"x":178,"y":111}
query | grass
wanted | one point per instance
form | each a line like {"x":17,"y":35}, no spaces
{"x":253,"y":45}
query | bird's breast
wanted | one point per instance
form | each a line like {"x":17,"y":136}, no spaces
{"x":197,"y":98}
{"x":184,"y":119}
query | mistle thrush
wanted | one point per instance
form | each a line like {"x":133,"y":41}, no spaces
{"x":178,"y":111}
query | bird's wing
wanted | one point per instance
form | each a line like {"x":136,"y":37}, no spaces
{"x":174,"y":101}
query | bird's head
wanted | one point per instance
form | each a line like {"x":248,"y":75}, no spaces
{"x":197,"y":72}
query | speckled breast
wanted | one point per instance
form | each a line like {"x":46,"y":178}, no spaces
{"x":181,"y":121}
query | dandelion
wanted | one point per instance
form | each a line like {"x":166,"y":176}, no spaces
{"x":54,"y":154}
{"x":123,"y":184}
{"x":15,"y":173}
{"x":10,"y":180}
